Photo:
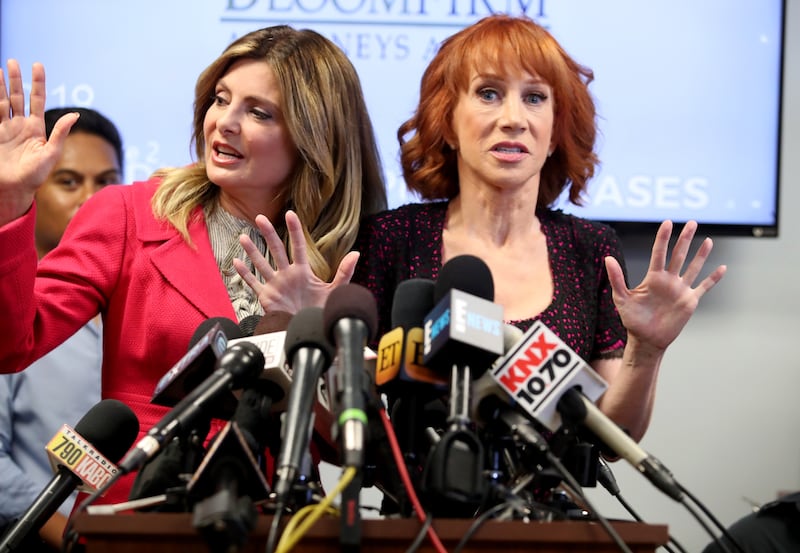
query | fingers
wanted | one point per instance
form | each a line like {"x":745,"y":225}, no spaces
{"x":346,"y":269}
{"x":16,"y":93}
{"x":696,"y":265}
{"x":681,"y":249}
{"x":260,"y":263}
{"x":711,"y":280}
{"x":4,"y":105}
{"x":615,"y":275}
{"x":274,"y":243}
{"x":62,"y":127}
{"x":296,"y":238}
{"x":244,"y":271}
{"x":658,"y":257}
{"x":38,"y":91}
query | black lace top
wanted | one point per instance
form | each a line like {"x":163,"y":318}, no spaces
{"x":406,"y":242}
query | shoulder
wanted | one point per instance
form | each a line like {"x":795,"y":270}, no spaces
{"x":578,"y":232}
{"x":408,"y":213}
{"x":406,"y":217}
{"x":132,"y":196}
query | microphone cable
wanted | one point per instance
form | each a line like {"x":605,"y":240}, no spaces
{"x":406,"y":478}
{"x":737,"y":546}
{"x":532,"y":437}
{"x":420,"y":537}
{"x":308,"y":515}
{"x":606,"y":477}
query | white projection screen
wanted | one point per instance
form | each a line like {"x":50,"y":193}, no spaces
{"x":688,"y":92}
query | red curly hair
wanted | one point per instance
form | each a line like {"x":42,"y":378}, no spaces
{"x":510,"y":45}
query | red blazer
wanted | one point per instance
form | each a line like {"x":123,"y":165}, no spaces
{"x":115,"y":258}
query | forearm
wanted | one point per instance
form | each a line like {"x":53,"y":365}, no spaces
{"x":630,"y":397}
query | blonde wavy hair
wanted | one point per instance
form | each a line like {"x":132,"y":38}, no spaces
{"x":338,"y":178}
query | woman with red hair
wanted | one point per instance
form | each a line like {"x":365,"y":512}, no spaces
{"x":505,"y":125}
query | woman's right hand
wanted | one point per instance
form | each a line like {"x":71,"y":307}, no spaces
{"x":26,"y":156}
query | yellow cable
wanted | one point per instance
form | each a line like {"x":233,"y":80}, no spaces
{"x":290,"y":538}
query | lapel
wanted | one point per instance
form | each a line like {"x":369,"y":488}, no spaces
{"x":191,"y":271}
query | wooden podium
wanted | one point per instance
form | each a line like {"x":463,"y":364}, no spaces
{"x":167,"y":533}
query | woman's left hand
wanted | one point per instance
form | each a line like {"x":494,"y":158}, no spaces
{"x":289,"y":286}
{"x":655,"y":311}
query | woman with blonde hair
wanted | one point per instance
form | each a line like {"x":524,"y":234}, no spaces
{"x":275,"y":157}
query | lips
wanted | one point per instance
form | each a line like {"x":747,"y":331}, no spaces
{"x":223,"y":150}
{"x":510,"y":148}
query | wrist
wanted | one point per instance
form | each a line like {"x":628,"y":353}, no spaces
{"x":644,"y":351}
{"x":14,"y":205}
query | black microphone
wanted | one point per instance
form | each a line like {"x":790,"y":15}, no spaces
{"x":247,"y":326}
{"x":260,"y":403}
{"x":239,"y":365}
{"x":110,"y":427}
{"x":310,"y":355}
{"x":413,"y":391}
{"x":182,"y":455}
{"x":577,"y":408}
{"x":206,"y":346}
{"x":350,"y":319}
{"x":400,"y":351}
{"x":463,"y":336}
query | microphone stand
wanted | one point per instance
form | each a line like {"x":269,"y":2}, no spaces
{"x":453,"y":481}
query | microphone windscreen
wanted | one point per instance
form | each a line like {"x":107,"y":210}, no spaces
{"x":306,"y":329}
{"x":273,"y":321}
{"x":230,"y":328}
{"x":111,"y":427}
{"x":248,"y":325}
{"x":466,"y":273}
{"x":413,"y":300}
{"x":351,"y":301}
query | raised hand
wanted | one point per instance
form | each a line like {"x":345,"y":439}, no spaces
{"x":26,"y":156}
{"x":289,"y":286}
{"x":655,"y":311}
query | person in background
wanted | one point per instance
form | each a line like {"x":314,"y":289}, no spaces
{"x":63,"y":385}
{"x":504,"y":127}
{"x":774,"y":528}
{"x":274,"y":155}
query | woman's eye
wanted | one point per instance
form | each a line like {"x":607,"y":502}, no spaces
{"x":536,"y":98}
{"x":488,"y":94}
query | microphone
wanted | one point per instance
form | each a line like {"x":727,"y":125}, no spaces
{"x":181,"y":456}
{"x":537,"y":371}
{"x":247,"y":326}
{"x":544,"y":375}
{"x":84,"y":457}
{"x":350,"y":317}
{"x":310,"y":355}
{"x":400,"y":373}
{"x":239,"y":365}
{"x":400,"y":351}
{"x":267,"y":395}
{"x":464,"y":331}
{"x":269,"y":335}
{"x":577,"y":408}
{"x":465,"y":328}
{"x":206,"y":346}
